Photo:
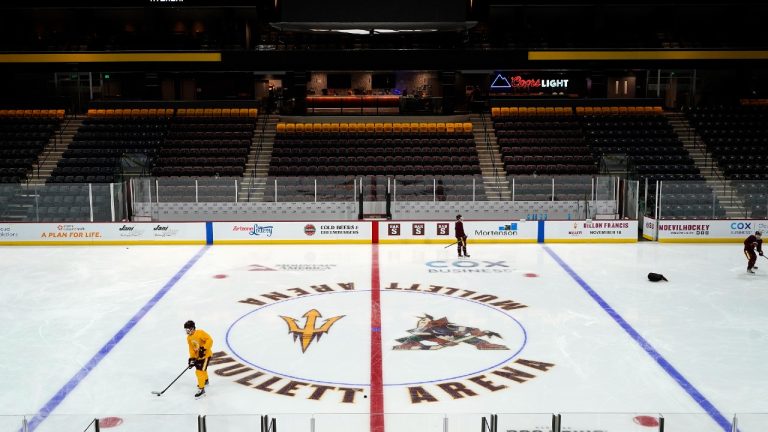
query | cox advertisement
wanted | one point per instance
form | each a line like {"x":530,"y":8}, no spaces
{"x":291,"y":232}
{"x":443,"y":231}
{"x":72,"y":233}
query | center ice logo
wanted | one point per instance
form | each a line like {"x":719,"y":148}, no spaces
{"x":309,"y":332}
{"x":432,"y":334}
{"x":443,"y":343}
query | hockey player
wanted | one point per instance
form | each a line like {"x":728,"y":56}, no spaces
{"x":754,"y":241}
{"x":200,"y":344}
{"x":461,"y":236}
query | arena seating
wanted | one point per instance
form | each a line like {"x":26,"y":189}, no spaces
{"x":323,"y":149}
{"x":542,"y":141}
{"x":185,"y":142}
{"x":736,"y":136}
{"x":23,"y":136}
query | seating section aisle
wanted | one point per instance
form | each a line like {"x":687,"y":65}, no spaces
{"x":95,"y":153}
{"x":644,"y":135}
{"x":737,"y":138}
{"x":193,"y":142}
{"x":23,"y":136}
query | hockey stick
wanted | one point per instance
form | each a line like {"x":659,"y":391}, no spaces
{"x":450,"y":245}
{"x":169,"y":385}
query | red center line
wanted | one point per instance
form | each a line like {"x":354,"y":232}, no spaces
{"x":377,"y":385}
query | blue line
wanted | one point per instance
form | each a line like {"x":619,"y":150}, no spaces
{"x":644,"y":344}
{"x":209,"y":233}
{"x":540,"y":234}
{"x":60,"y":395}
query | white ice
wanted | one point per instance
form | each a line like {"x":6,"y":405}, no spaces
{"x":706,"y":327}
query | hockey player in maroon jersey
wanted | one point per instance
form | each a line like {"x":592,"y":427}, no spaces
{"x":754,"y":241}
{"x":461,"y":236}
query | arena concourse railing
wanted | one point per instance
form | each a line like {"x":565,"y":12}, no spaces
{"x":400,"y":422}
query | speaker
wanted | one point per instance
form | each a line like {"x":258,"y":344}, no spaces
{"x":448,"y":84}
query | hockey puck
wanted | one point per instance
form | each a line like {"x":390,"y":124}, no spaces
{"x":646,"y":421}
{"x":108,"y":422}
{"x":220,"y":276}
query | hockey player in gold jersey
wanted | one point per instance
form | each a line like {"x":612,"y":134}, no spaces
{"x":200,"y":344}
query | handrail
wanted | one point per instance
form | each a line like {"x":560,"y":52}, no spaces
{"x":58,"y":137}
{"x":259,"y":148}
{"x":491,"y":154}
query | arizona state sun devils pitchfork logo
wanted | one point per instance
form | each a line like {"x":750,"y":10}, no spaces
{"x":309,"y":332}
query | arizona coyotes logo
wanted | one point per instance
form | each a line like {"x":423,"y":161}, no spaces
{"x":309,"y":332}
{"x":435,"y":334}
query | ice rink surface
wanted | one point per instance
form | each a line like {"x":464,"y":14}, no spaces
{"x":365,"y":337}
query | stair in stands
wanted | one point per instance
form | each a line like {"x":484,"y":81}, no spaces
{"x":55,"y":149}
{"x":491,"y":165}
{"x":703,"y":159}
{"x":257,"y":166}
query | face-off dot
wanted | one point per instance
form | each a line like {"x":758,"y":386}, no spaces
{"x":646,"y":421}
{"x":108,"y":422}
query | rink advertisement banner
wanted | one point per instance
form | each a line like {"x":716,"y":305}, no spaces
{"x":25,"y":234}
{"x":649,"y":228}
{"x":309,"y":232}
{"x":590,"y":231}
{"x":444,"y":231}
{"x":708,"y":231}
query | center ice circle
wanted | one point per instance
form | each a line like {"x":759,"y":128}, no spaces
{"x":342,"y":355}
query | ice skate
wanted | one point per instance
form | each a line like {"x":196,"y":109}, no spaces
{"x":200,"y":393}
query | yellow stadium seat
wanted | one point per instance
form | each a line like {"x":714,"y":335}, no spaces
{"x":316,"y":128}
{"x":431,"y":128}
{"x":504,"y":111}
{"x":370,"y":128}
{"x":290,"y":128}
{"x":253,"y":112}
{"x":344,"y":128}
{"x":325,"y":128}
{"x":423,"y":128}
{"x":495,"y":111}
{"x":378,"y":128}
{"x":208,"y":112}
{"x":387,"y":128}
{"x":217,"y":112}
{"x":334,"y":128}
{"x":281,"y":128}
{"x":440,"y":128}
{"x":450,"y":128}
{"x":397,"y":128}
{"x":467,"y":127}
{"x":405,"y":128}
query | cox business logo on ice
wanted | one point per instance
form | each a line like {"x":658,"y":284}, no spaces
{"x":467,"y":266}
